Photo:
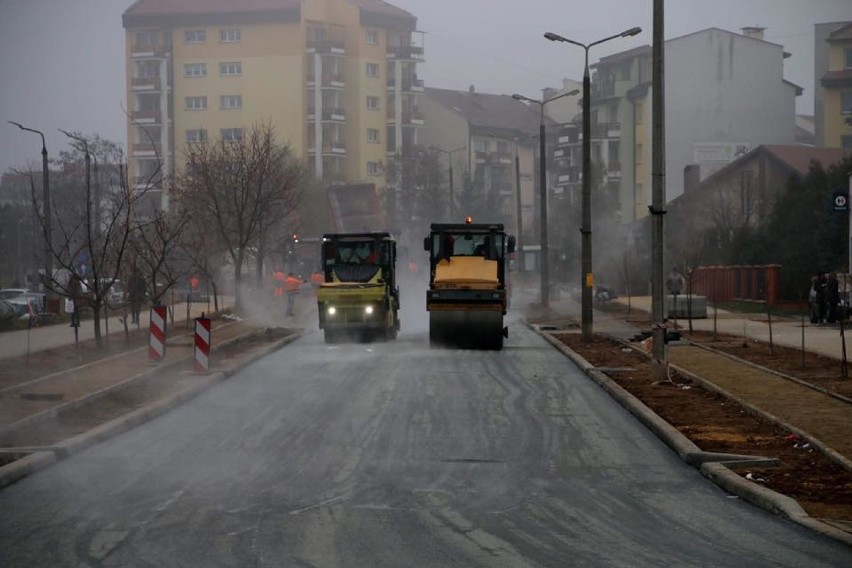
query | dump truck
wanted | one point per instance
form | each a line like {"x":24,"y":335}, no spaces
{"x":359,"y":298}
{"x":468,"y":289}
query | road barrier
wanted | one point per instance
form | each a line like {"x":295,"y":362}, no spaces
{"x":202,"y":344}
{"x":157,"y":344}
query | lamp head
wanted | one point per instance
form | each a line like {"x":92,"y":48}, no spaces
{"x":631,"y":32}
{"x":554,"y":37}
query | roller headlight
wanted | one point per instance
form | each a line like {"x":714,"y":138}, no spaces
{"x":368,"y":310}
{"x":332,"y":310}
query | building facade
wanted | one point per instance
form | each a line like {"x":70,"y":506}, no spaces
{"x":725,"y":95}
{"x":336,"y":79}
{"x":481,"y":137}
{"x":835,"y":84}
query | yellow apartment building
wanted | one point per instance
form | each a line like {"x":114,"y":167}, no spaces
{"x":337,"y":79}
{"x":837,"y":89}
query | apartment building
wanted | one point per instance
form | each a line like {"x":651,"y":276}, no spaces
{"x":337,"y":79}
{"x":480,"y":135}
{"x":834,"y":96}
{"x":725,"y":95}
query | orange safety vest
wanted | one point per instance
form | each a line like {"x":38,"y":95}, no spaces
{"x":279,"y":283}
{"x":292,"y":284}
{"x":317,"y":278}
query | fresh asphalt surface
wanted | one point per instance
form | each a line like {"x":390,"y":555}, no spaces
{"x":392,"y":454}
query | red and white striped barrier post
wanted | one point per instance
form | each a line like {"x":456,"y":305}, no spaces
{"x":157,"y":345}
{"x":202,"y":344}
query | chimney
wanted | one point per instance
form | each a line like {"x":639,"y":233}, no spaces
{"x":691,"y":178}
{"x":753,"y":32}
{"x":471,"y":89}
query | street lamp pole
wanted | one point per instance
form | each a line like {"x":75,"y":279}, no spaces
{"x":48,"y":231}
{"x":449,"y":154}
{"x":545,"y":264}
{"x":587,"y":276}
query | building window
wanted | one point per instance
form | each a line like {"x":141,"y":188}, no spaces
{"x":146,"y":39}
{"x":147,"y":69}
{"x":372,"y":69}
{"x":231,"y":101}
{"x":847,"y":58}
{"x":373,"y":135}
{"x":372,"y":103}
{"x":846,"y":142}
{"x":195,"y":70}
{"x":372,"y":37}
{"x":230,"y":35}
{"x":231,"y":134}
{"x":195,"y":36}
{"x":373,"y":169}
{"x":230,"y":69}
{"x":196,"y":103}
{"x":197,"y":135}
{"x":846,"y":103}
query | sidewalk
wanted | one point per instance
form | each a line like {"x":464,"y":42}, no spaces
{"x":824,"y":340}
{"x":16,"y":343}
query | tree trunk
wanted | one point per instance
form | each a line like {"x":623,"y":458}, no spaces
{"x":96,"y":321}
{"x":215,"y":297}
{"x":238,"y":277}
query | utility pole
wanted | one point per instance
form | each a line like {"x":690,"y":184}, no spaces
{"x":658,"y":187}
{"x":45,"y":181}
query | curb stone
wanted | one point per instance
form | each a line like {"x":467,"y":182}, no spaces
{"x":713,"y":469}
{"x":23,"y":467}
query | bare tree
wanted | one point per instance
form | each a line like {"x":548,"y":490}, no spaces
{"x":243,"y":189}
{"x":92,"y":232}
{"x":155,"y":246}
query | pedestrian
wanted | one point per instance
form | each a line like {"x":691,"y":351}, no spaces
{"x":819,"y":297}
{"x":291,"y":288}
{"x":279,"y":278}
{"x":832,"y":296}
{"x":135,"y":294}
{"x":317,"y":280}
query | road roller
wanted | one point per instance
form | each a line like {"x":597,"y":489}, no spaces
{"x":468,"y":295}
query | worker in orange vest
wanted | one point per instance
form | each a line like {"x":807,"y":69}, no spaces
{"x":317,"y":280}
{"x":279,"y":283}
{"x":291,"y":288}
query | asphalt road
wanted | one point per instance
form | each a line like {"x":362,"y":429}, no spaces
{"x":394,"y":455}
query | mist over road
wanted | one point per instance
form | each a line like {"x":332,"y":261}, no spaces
{"x":392,"y":454}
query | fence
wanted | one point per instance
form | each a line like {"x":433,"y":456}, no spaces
{"x":729,"y":283}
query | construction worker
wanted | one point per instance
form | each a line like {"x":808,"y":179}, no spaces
{"x":291,"y":288}
{"x":317,"y":279}
{"x":279,"y":283}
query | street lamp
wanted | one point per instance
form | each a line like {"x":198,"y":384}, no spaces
{"x":449,"y":154}
{"x":48,"y":232}
{"x":587,"y":277}
{"x":545,"y":269}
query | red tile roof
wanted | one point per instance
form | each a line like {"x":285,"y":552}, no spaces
{"x":163,"y":7}
{"x":799,"y":158}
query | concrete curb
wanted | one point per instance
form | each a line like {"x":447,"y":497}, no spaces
{"x":713,"y":466}
{"x":25,"y":466}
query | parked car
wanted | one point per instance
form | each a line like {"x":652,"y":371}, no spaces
{"x":8,"y":293}
{"x":8,"y":311}
{"x":115,"y":293}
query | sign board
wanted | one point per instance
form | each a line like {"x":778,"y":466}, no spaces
{"x":718,"y":152}
{"x":840,"y":201}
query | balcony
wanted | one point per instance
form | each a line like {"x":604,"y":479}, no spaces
{"x":156,"y":51}
{"x":614,"y":130}
{"x":327,"y":47}
{"x":405,"y":53}
{"x":480,"y":157}
{"x":146,"y":116}
{"x":145,"y":181}
{"x":145,"y":84}
{"x":413,"y":118}
{"x":333,"y":81}
{"x":146,"y":149}
{"x":500,"y":158}
{"x":613,"y":171}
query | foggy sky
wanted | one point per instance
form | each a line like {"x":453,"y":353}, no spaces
{"x":62,"y":61}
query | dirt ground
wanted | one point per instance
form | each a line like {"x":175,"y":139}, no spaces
{"x":713,"y":423}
